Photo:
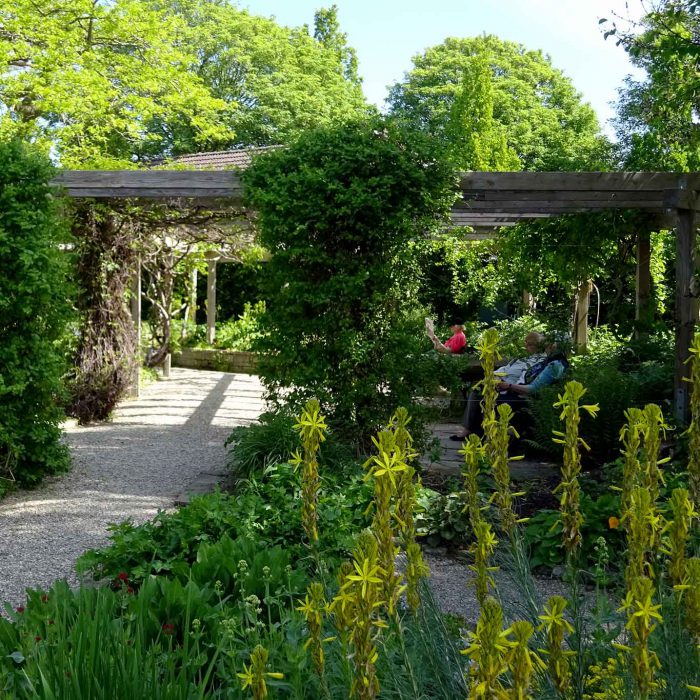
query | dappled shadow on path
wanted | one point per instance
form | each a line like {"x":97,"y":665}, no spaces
{"x":128,"y":468}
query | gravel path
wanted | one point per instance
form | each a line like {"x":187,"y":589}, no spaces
{"x":453,"y":586}
{"x":129,"y":468}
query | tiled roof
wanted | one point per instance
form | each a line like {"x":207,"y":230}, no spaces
{"x":222,"y":160}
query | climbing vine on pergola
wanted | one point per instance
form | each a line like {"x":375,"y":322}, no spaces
{"x":489,"y":201}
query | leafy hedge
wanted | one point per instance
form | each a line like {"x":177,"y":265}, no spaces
{"x":340,"y":211}
{"x":35,"y":308}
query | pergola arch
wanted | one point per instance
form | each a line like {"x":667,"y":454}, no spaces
{"x":489,"y":201}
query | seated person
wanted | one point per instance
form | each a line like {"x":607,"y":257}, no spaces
{"x":545,"y":370}
{"x":456,"y":344}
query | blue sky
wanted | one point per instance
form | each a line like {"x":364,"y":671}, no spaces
{"x":387,"y":33}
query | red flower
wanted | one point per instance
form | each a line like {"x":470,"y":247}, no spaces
{"x":20,"y":609}
{"x":613,"y":522}
{"x":122,"y":576}
{"x":44,"y":598}
{"x":168,"y":629}
{"x":129,"y":590}
{"x":37,"y":638}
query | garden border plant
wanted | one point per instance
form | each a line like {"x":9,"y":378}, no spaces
{"x":338,"y":210}
{"x":35,"y":311}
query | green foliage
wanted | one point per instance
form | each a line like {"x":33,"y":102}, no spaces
{"x":35,"y":308}
{"x":338,"y":211}
{"x":543,"y":532}
{"x":477,"y":141}
{"x":537,"y":108}
{"x":105,"y":82}
{"x":255,"y":447}
{"x":95,"y":643}
{"x":279,"y":80}
{"x":264,"y":511}
{"x":657,"y":120}
{"x":442,"y":517}
{"x":618,"y":374}
{"x":235,"y":334}
{"x":91,"y":79}
{"x":105,"y":358}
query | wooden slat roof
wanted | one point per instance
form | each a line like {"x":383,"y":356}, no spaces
{"x":489,"y":200}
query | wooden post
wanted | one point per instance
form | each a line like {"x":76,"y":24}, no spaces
{"x":136,"y":318}
{"x":686,"y":306}
{"x":211,"y":300}
{"x":644,"y":309}
{"x":583,"y":300}
{"x":528,"y":302}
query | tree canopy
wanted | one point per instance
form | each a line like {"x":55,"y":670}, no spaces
{"x":658,"y":116}
{"x":544,"y":120}
{"x":105,"y":83}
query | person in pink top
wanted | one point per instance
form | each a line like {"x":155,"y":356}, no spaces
{"x":456,"y":344}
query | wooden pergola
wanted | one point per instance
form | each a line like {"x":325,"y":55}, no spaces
{"x":490,"y":201}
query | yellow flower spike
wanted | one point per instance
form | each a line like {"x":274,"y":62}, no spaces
{"x":488,"y":650}
{"x":571,"y":518}
{"x":642,"y":615}
{"x":254,"y":676}
{"x":690,"y":592}
{"x":313,"y":609}
{"x":556,"y":627}
{"x":693,"y":431}
{"x":503,"y":497}
{"x":677,"y":529}
{"x":312,"y":428}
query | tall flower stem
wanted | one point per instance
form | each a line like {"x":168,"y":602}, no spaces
{"x":571,"y":518}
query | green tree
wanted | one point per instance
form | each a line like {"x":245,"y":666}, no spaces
{"x":278,"y":81}
{"x":327,"y":32}
{"x":475,"y":140}
{"x":338,"y":210}
{"x":35,"y":307}
{"x":544,"y":120}
{"x":102,"y":81}
{"x":108,"y":83}
{"x":658,"y":116}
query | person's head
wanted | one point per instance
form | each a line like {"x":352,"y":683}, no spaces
{"x":534,"y":342}
{"x":457,"y":324}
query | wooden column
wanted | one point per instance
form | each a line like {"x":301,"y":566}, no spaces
{"x":136,"y":318}
{"x":644,"y":309}
{"x":583,"y":300}
{"x":686,"y":306}
{"x":211,"y":300}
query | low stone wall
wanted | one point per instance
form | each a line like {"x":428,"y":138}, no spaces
{"x":218,"y":360}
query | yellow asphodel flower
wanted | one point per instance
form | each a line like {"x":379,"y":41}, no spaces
{"x":246,"y":676}
{"x":388,"y":465}
{"x":366,"y":575}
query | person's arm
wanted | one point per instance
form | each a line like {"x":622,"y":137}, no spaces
{"x":521,"y":389}
{"x":441,"y":348}
{"x":548,"y":376}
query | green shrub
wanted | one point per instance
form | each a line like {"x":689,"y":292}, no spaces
{"x":543,"y":536}
{"x":35,"y":306}
{"x":338,"y":211}
{"x":266,"y":512}
{"x":617,"y":374}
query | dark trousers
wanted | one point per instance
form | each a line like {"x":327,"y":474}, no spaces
{"x":473,"y":414}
